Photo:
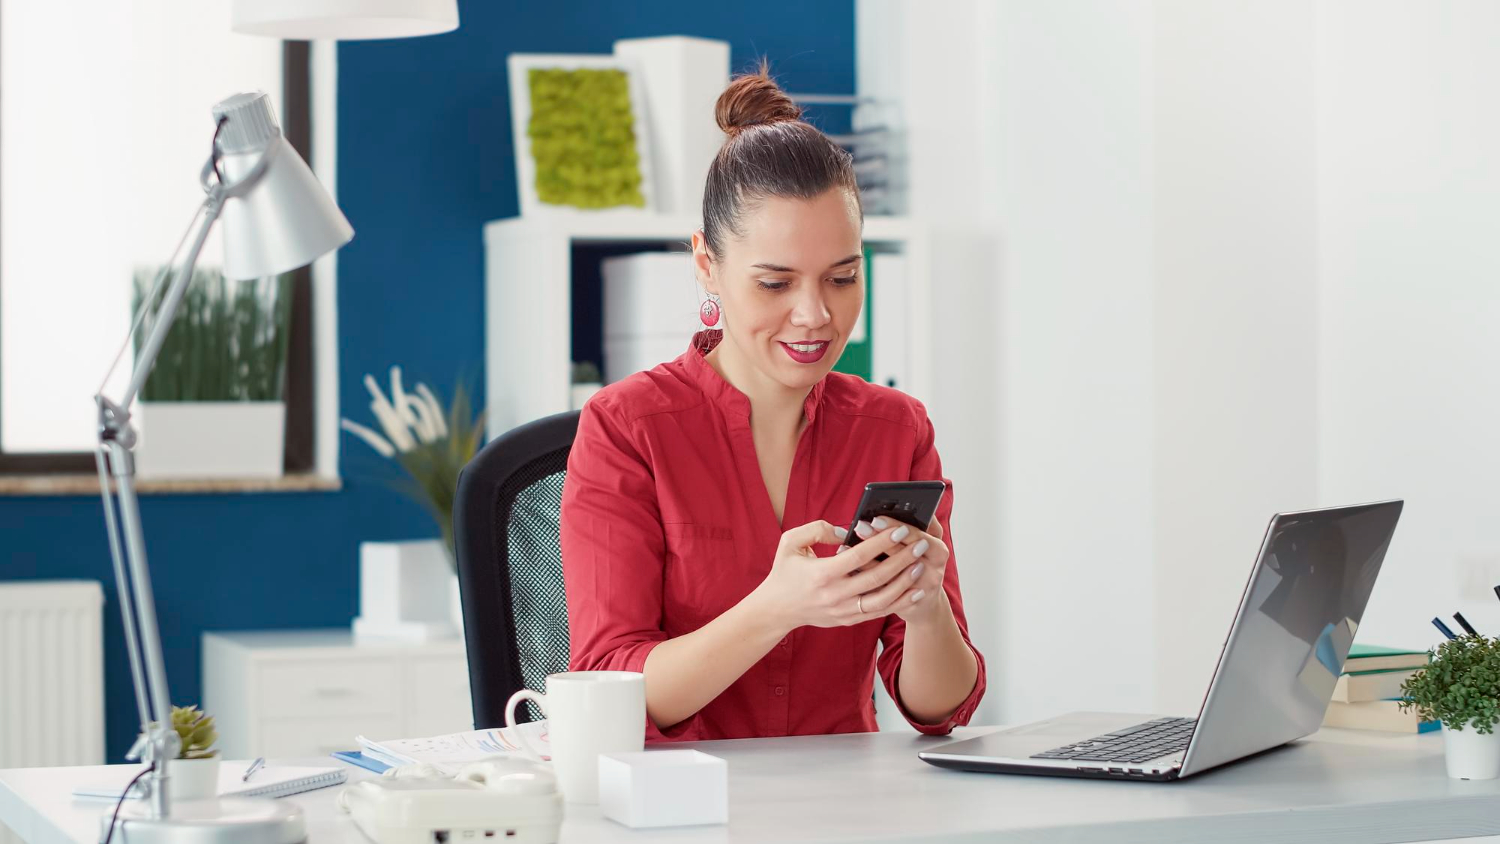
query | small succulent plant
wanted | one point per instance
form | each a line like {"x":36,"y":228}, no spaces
{"x":196,"y":731}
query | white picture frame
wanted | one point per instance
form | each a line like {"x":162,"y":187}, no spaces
{"x":519,"y":66}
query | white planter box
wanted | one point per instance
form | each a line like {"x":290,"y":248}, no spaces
{"x":231,"y":439}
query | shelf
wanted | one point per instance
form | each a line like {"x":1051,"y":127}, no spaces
{"x":528,"y":300}
{"x":627,"y":226}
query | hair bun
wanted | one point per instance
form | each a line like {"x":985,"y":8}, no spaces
{"x":753,"y":99}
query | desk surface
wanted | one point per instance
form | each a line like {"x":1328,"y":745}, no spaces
{"x":1337,"y":786}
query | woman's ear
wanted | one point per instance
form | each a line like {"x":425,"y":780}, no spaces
{"x":703,"y":263}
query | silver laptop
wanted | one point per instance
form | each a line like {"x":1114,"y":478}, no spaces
{"x":1275,"y":677}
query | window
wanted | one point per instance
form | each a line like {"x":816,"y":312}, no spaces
{"x":104,"y":124}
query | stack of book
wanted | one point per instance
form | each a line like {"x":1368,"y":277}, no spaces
{"x":1368,"y":693}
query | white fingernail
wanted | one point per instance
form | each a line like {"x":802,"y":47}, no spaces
{"x":841,"y":533}
{"x":917,"y":596}
{"x":881,"y":523}
{"x":920,"y":548}
{"x":863,"y":530}
{"x":900,"y":533}
{"x":916,"y":571}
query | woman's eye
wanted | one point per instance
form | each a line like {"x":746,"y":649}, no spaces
{"x":774,"y":286}
{"x":845,"y":281}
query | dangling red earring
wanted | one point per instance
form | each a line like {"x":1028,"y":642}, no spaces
{"x":709,"y":313}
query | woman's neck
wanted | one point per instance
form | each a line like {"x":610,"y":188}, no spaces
{"x":774,"y":407}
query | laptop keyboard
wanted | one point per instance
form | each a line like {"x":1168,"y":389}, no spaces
{"x":1140,"y":743}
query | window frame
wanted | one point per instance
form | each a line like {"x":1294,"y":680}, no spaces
{"x":299,"y":451}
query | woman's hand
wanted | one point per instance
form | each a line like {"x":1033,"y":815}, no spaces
{"x":848,"y":588}
{"x":923,"y":598}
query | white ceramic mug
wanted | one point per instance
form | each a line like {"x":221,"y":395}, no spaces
{"x":588,"y":713}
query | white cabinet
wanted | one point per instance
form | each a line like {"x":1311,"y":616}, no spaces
{"x":528,"y":301}
{"x":290,"y":693}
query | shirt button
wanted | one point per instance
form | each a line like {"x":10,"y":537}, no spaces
{"x":785,"y":642}
{"x":780,"y":690}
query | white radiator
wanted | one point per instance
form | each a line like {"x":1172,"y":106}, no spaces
{"x":51,"y":675}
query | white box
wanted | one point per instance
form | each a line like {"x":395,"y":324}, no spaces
{"x":650,"y":293}
{"x":683,"y":78}
{"x":405,"y":591}
{"x":626,"y":356}
{"x":664,"y":788}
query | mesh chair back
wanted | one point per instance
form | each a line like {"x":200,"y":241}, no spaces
{"x":506,"y":534}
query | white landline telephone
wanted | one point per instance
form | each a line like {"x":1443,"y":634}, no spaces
{"x":506,"y":801}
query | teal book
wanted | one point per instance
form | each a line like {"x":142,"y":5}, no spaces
{"x":1379,"y":658}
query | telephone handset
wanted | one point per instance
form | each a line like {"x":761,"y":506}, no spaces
{"x":512,"y":801}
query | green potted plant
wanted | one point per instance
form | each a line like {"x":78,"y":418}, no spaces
{"x":406,"y":587}
{"x":194,"y":774}
{"x":212,"y":406}
{"x":1461,"y":688}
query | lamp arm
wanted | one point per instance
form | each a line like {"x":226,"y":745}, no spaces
{"x":114,"y":457}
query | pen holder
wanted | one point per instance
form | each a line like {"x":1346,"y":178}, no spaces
{"x":653,"y":788}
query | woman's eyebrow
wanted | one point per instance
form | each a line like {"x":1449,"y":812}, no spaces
{"x":777,"y":268}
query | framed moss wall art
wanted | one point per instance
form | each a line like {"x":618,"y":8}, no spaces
{"x":580,"y":132}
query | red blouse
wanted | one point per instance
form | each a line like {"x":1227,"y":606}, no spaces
{"x":666,"y":523}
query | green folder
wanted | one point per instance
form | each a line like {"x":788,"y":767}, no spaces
{"x":857,"y":357}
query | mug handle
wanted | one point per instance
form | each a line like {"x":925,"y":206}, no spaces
{"x":510,"y":719}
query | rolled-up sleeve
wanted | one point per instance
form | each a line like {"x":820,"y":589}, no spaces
{"x":613,"y":552}
{"x":927,"y":466}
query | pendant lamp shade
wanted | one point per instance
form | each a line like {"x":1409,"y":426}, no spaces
{"x":343,"y":20}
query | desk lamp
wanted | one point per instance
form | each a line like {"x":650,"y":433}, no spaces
{"x":277,"y":217}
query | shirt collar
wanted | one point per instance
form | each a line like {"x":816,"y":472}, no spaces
{"x":725,"y":394}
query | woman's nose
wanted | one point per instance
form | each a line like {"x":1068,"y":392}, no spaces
{"x":810,"y":312}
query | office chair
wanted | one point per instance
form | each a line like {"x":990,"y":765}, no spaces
{"x":505,"y":533}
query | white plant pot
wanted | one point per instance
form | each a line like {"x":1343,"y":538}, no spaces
{"x":212,"y":439}
{"x":405,"y":592}
{"x":1471,"y":755}
{"x":193,"y":779}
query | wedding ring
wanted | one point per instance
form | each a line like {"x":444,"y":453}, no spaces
{"x":859,"y":601}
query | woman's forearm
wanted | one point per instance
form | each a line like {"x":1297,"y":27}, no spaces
{"x":938,"y":670}
{"x":686,"y":673}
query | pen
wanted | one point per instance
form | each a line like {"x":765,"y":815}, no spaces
{"x":1464,"y":623}
{"x":1438,"y":622}
{"x":260,"y":762}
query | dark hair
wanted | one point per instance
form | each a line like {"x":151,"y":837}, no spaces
{"x":771,"y":151}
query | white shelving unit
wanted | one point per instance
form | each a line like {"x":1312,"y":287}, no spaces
{"x":528,"y":300}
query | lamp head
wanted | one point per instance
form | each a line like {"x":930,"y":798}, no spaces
{"x":277,"y":216}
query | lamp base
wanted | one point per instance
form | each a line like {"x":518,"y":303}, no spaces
{"x":229,"y":820}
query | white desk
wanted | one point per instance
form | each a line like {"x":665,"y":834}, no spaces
{"x":1340,"y":786}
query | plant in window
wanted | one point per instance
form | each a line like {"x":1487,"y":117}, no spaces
{"x":228,"y":341}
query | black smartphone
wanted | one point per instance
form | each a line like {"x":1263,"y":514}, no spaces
{"x":911,"y":502}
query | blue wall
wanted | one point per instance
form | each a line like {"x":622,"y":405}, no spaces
{"x":424,"y":160}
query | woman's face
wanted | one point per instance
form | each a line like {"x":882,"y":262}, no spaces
{"x":791,"y":286}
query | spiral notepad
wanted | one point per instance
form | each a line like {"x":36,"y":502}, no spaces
{"x":269,"y":781}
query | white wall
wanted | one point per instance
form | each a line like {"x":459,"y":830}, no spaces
{"x":1244,"y":265}
{"x":1235,"y":316}
{"x":1409,"y":279}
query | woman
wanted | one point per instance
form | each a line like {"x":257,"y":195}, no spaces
{"x":699,"y":519}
